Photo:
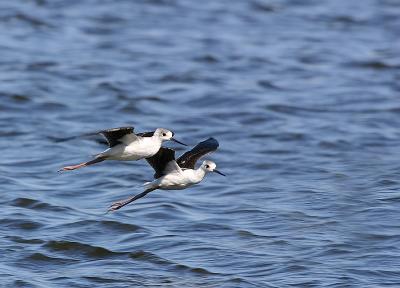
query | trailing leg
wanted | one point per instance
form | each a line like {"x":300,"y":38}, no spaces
{"x":91,"y":162}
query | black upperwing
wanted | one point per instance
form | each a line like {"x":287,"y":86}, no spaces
{"x":189,"y":159}
{"x":114,"y":135}
{"x":160,"y":160}
{"x":111,"y":136}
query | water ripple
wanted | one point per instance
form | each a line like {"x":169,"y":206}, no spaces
{"x":302,"y":96}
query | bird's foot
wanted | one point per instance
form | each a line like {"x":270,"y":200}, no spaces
{"x":69,"y":168}
{"x":115,"y":206}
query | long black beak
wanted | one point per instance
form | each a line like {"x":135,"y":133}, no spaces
{"x":173,"y":139}
{"x":220,"y":173}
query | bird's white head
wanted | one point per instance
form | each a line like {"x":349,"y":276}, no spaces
{"x":210,"y":166}
{"x":165,"y":135}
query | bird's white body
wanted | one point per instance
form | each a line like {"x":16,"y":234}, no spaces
{"x":133,"y":148}
{"x":179,"y":179}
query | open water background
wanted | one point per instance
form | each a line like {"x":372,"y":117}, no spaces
{"x":303,"y":96}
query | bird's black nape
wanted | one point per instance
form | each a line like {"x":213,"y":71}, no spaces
{"x":146,"y":134}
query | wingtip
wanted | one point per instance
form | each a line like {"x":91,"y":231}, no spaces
{"x":212,"y":139}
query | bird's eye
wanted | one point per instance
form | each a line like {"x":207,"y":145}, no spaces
{"x":163,"y":134}
{"x":207,"y":166}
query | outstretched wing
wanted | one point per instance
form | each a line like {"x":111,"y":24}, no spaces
{"x":163,"y":162}
{"x":189,"y":159}
{"x":112,"y":136}
{"x":118,"y":135}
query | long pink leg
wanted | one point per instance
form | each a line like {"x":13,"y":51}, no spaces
{"x":119,"y":204}
{"x":73,"y":167}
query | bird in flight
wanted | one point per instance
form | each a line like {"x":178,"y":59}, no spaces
{"x":125,"y":145}
{"x":171,"y":174}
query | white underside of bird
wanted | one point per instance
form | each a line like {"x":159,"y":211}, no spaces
{"x":177,"y":178}
{"x":132,"y":149}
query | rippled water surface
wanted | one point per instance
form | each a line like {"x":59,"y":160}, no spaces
{"x":303,"y":97}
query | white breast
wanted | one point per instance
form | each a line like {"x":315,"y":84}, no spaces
{"x":180,"y":179}
{"x":193,"y":176}
{"x":143,"y":147}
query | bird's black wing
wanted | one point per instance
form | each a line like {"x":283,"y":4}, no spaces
{"x":114,"y":135}
{"x":111,"y":136}
{"x":189,"y":159}
{"x":160,"y":160}
{"x":146,"y":134}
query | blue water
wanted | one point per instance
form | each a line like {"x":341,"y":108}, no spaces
{"x":303,"y":97}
